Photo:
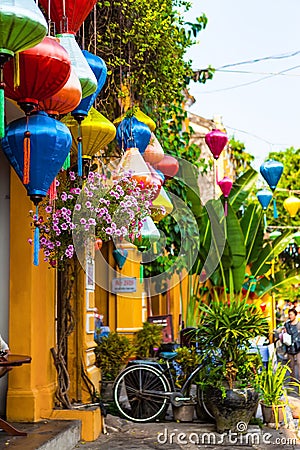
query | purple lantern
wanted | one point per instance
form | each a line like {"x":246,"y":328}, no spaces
{"x":216,"y":141}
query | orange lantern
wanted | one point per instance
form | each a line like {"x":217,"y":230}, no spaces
{"x":133,"y":162}
{"x":154,"y":152}
{"x":292,"y":205}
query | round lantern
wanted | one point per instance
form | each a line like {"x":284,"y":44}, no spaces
{"x":133,"y":133}
{"x":84,"y":72}
{"x":99,"y":69}
{"x":264,"y":197}
{"x":216,"y":141}
{"x":292,"y":205}
{"x":65,"y":100}
{"x":22,"y":26}
{"x":169,"y":166}
{"x":68,"y":15}
{"x":154,"y":152}
{"x":225,"y":186}
{"x":139,"y":115}
{"x":50,"y":144}
{"x":44,"y":70}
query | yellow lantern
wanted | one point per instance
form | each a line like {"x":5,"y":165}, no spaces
{"x":96,"y":132}
{"x":162,"y":200}
{"x":292,"y":205}
{"x":139,"y":115}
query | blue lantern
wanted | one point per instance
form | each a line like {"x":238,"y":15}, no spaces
{"x":264,"y":197}
{"x":133,"y":133}
{"x":120,"y":256}
{"x":271,"y":171}
{"x":99,"y":68}
{"x":50,"y":142}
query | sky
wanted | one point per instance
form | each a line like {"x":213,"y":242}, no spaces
{"x":265,"y":115}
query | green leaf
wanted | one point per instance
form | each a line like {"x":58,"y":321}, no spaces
{"x":241,"y":188}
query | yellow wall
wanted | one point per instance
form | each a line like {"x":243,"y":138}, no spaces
{"x":32,"y":313}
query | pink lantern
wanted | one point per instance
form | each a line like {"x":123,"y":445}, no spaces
{"x":225,"y":186}
{"x":169,"y":166}
{"x":216,"y":141}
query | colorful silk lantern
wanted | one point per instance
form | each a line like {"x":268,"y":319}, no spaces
{"x":131,"y":133}
{"x":132,"y":162}
{"x":65,"y":100}
{"x":154,"y":152}
{"x":95,"y":133}
{"x":44,"y":70}
{"x":264,"y":197}
{"x":148,"y":235}
{"x":84,"y":72}
{"x":22,"y":26}
{"x":68,"y":15}
{"x":274,"y":235}
{"x":99,"y":69}
{"x":169,"y":166}
{"x":50,"y":144}
{"x":156,"y":180}
{"x":139,"y":115}
{"x":216,"y":141}
{"x":271,"y":171}
{"x":225,"y":186}
{"x":120,"y":256}
{"x":161,"y":206}
{"x":292,"y":205}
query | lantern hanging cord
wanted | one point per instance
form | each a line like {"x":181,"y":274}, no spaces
{"x":95,"y":30}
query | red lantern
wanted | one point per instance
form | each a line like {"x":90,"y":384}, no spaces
{"x":98,"y":244}
{"x":65,"y":100}
{"x":216,"y":141}
{"x":169,"y":166}
{"x":225,"y":186}
{"x":68,"y":15}
{"x":44,"y":70}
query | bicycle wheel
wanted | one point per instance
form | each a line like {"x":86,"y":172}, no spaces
{"x":202,"y":410}
{"x":137,"y":393}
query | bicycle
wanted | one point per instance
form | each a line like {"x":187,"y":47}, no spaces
{"x":143,"y":391}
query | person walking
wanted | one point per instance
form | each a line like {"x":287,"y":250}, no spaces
{"x":292,"y":327}
{"x":4,"y":350}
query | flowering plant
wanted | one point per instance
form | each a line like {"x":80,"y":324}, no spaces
{"x":100,"y":208}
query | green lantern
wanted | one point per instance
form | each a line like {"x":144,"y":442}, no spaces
{"x":296,"y":237}
{"x":22,"y":26}
{"x":149,"y":234}
{"x":274,"y":235}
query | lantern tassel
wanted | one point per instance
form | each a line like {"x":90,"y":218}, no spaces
{"x":36,"y":241}
{"x":141,"y":273}
{"x":79,"y":151}
{"x":16,"y":71}
{"x":67,"y":162}
{"x":52,"y":191}
{"x":265,"y":220}
{"x":26,"y":150}
{"x":225,"y":208}
{"x":2,"y":127}
{"x":275,"y":212}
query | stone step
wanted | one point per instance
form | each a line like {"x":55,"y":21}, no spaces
{"x":46,"y":435}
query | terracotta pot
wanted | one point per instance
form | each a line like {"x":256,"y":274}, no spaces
{"x":184,"y":413}
{"x":273,"y":414}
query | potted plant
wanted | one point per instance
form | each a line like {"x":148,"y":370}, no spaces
{"x":112,"y":354}
{"x":147,"y":340}
{"x":228,"y":381}
{"x":186,"y":361}
{"x":271,"y":381}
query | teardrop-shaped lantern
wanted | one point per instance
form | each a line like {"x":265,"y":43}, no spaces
{"x":133,"y":133}
{"x":68,"y":15}
{"x":120,"y":256}
{"x":264,"y":197}
{"x":50,"y":144}
{"x":154,"y":152}
{"x":225,"y":186}
{"x":216,"y":141}
{"x":169,"y":166}
{"x":44,"y":70}
{"x":139,"y":115}
{"x":161,"y":206}
{"x":292,"y":205}
{"x":99,"y":69}
{"x":133,"y":162}
{"x":271,"y":171}
{"x":147,"y":236}
{"x":96,"y":132}
{"x":65,"y":100}
{"x":156,"y":181}
{"x":22,"y":26}
{"x":84,"y":72}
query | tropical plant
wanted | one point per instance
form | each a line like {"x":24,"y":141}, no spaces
{"x":112,"y":354}
{"x":188,"y":358}
{"x":224,"y":332}
{"x":147,"y":339}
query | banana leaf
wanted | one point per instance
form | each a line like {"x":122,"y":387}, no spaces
{"x":265,"y":285}
{"x":241,"y":188}
{"x":253,"y":230}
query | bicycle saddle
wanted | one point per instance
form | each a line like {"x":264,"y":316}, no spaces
{"x":168,"y":355}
